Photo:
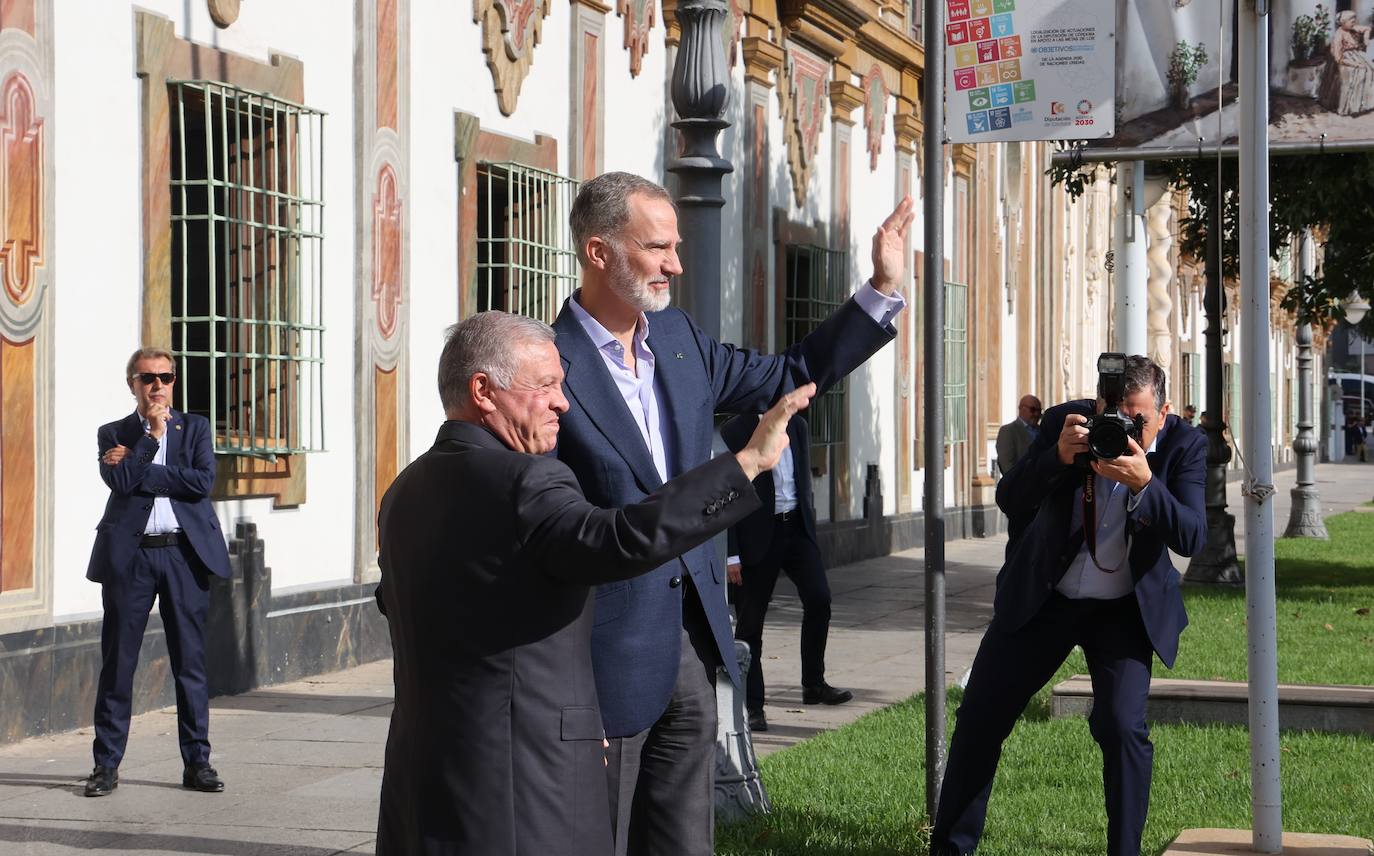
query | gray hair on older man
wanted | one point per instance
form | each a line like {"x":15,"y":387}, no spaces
{"x":487,"y":343}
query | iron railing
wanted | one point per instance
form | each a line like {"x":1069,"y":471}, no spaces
{"x":526,"y":263}
{"x":247,"y":266}
{"x":817,"y":283}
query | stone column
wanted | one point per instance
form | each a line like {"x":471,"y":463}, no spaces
{"x":762,"y":58}
{"x":907,"y":128}
{"x":1159,"y":299}
{"x":845,"y":98}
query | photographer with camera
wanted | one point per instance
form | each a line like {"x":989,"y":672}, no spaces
{"x":1134,"y":474}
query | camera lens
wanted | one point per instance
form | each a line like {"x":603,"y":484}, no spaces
{"x":1107,"y":439}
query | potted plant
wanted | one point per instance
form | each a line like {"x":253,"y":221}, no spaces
{"x":1310,"y":37}
{"x":1185,"y":61}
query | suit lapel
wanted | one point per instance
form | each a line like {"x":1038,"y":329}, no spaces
{"x":672,"y":379}
{"x":588,"y":382}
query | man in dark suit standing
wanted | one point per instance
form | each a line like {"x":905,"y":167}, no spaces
{"x":1014,"y":439}
{"x":1115,"y":593}
{"x":642,"y":384}
{"x":158,"y":537}
{"x":488,"y":555}
{"x":780,"y":536}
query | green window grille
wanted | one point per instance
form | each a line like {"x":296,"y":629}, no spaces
{"x":526,"y":262}
{"x":247,"y":218}
{"x":956,"y":362}
{"x":817,"y":283}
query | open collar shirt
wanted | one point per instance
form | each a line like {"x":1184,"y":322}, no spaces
{"x":163,"y":517}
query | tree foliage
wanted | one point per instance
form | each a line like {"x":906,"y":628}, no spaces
{"x":1330,"y":194}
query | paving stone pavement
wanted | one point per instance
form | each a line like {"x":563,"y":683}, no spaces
{"x":302,"y":761}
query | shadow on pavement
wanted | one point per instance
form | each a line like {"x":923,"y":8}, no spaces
{"x":332,"y":705}
{"x":76,"y":783}
{"x":90,"y":839}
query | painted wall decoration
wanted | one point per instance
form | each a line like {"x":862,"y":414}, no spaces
{"x":803,"y":104}
{"x":730,"y":30}
{"x":511,"y":30}
{"x":26,"y":225}
{"x":875,"y":113}
{"x":639,"y":20}
{"x":382,"y":292}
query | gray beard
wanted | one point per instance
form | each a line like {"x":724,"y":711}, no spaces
{"x":635,"y":293}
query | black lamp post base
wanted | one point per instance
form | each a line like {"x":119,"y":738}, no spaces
{"x":1217,"y":563}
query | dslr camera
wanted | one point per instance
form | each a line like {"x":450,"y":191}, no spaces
{"x":1108,"y":430}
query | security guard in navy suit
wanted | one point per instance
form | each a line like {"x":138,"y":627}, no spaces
{"x":159,"y":537}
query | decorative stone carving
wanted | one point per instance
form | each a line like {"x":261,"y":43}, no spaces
{"x":761,"y":59}
{"x":511,"y":30}
{"x":21,"y":188}
{"x":875,"y":113}
{"x":223,"y":12}
{"x":730,"y":30}
{"x":1159,"y":289}
{"x":803,"y":112}
{"x":639,"y":20}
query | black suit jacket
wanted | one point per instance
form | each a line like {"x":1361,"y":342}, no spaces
{"x":1037,"y":495}
{"x":752,"y":536}
{"x":186,"y":479}
{"x":488,"y":557}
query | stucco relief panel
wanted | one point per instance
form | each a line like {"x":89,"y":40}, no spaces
{"x":803,"y":103}
{"x":386,"y":252}
{"x":511,"y":30}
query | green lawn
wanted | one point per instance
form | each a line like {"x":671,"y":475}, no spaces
{"x":858,"y":790}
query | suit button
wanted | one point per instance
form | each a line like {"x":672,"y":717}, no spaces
{"x":675,"y":582}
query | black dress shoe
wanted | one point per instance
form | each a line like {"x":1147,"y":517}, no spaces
{"x":758,"y":722}
{"x":825,"y":694}
{"x":202,"y":777}
{"x":102,"y":781}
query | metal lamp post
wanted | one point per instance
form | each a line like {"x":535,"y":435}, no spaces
{"x":701,"y":93}
{"x":1305,"y":516}
{"x":1217,"y":562}
{"x":1355,"y":308}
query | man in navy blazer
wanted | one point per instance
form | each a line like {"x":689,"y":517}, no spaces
{"x":1115,"y":594}
{"x":642,"y":383}
{"x":158,"y":537}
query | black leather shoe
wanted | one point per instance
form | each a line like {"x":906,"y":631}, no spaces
{"x":825,"y":694}
{"x":202,"y":777}
{"x":102,"y":781}
{"x":758,"y":722}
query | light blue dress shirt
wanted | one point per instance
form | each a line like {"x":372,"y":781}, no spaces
{"x":1085,"y":580}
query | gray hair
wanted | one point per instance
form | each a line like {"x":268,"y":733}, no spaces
{"x":486,"y":343}
{"x":147,"y":354}
{"x":602,"y":206}
{"x":1142,"y":373}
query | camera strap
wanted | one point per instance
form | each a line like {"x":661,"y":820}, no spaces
{"x":1090,"y":519}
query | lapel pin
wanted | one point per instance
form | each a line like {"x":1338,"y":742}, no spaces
{"x":679,"y":356}
{"x":178,"y":426}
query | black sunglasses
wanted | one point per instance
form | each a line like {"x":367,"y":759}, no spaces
{"x":146,"y":378}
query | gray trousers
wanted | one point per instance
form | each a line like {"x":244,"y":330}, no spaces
{"x":662,"y":779}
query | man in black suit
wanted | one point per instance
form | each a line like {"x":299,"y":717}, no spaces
{"x":488,"y":555}
{"x":780,"y":536}
{"x":159,"y":537}
{"x":1116,"y":594}
{"x":1014,"y":439}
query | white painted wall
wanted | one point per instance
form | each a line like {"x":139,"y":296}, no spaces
{"x":98,"y":290}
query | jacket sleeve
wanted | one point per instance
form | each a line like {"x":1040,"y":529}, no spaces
{"x":576,"y":541}
{"x":126,"y":477}
{"x":745,"y":381}
{"x":186,"y":483}
{"x":1032,"y":479}
{"x":1176,"y":511}
{"x":1004,"y":450}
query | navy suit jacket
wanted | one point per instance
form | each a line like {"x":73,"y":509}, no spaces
{"x":751,"y":538}
{"x":638,"y":627}
{"x":1038,"y":496}
{"x":134,"y":482}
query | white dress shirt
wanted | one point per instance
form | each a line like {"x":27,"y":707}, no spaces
{"x":163,"y":517}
